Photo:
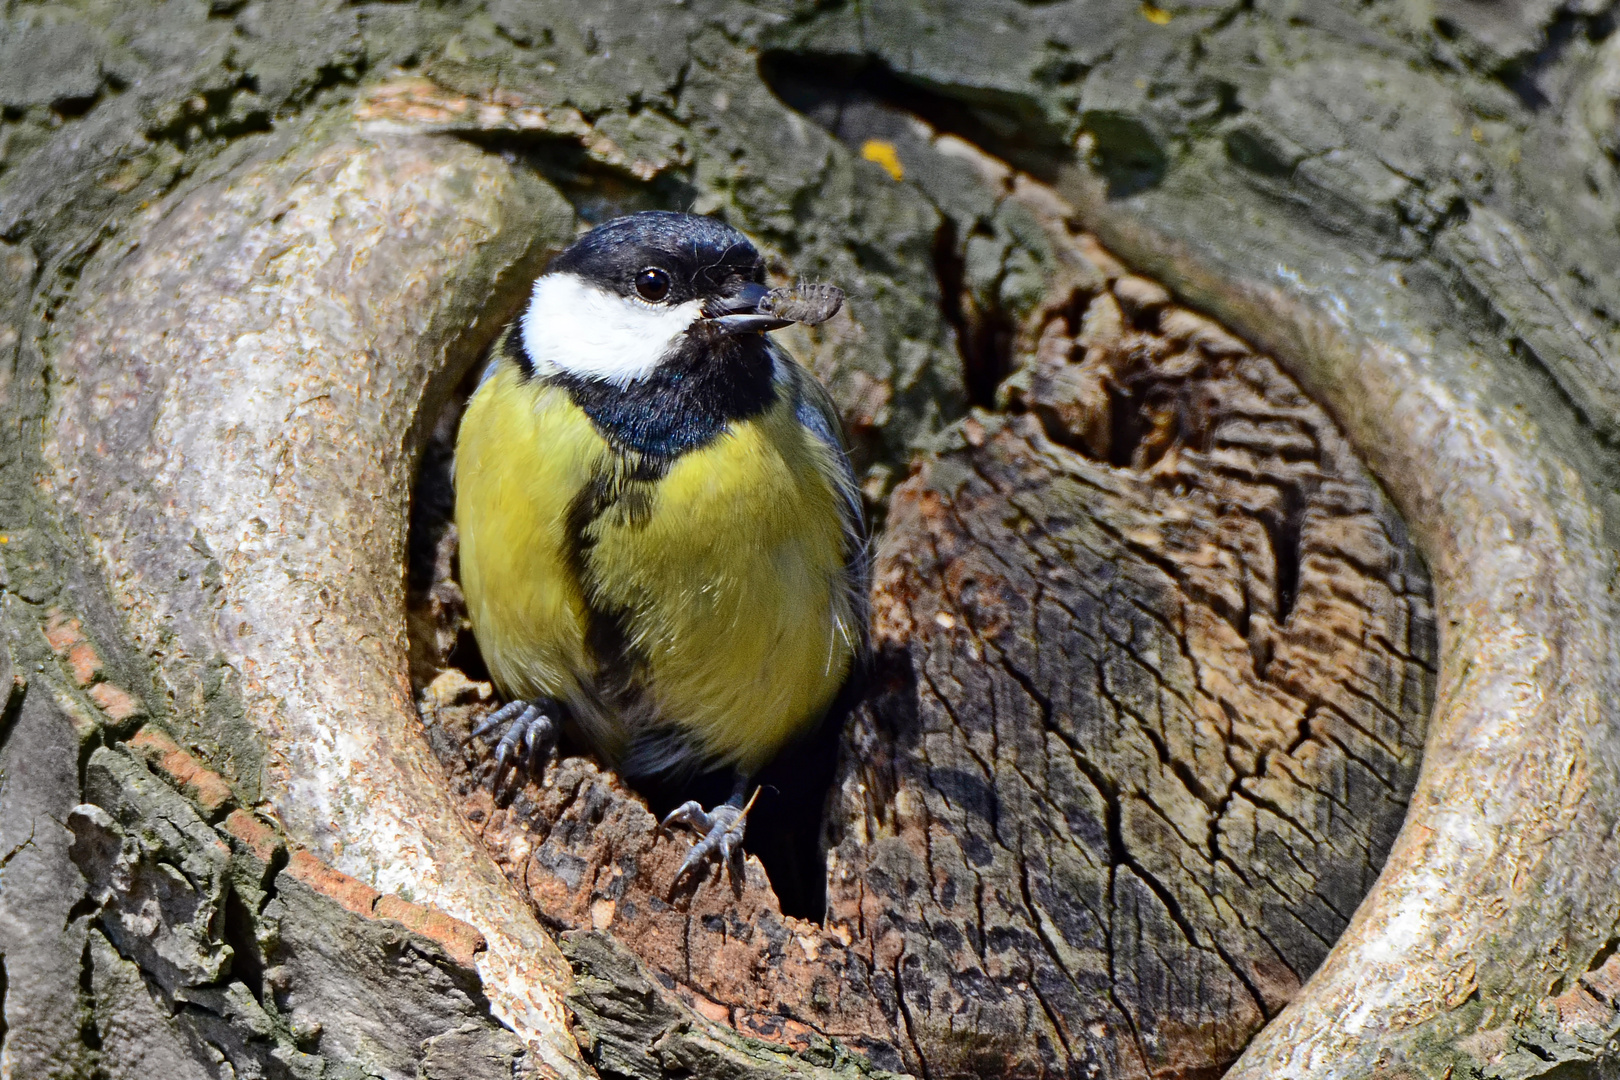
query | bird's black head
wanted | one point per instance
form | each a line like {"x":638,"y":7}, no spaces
{"x":652,"y":292}
{"x":661,"y":257}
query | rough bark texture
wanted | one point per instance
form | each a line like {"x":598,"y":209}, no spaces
{"x":257,"y":297}
{"x":1149,"y":713}
{"x":1154,"y":718}
{"x":248,"y":248}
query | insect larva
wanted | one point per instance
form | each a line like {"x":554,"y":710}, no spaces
{"x":804,"y":303}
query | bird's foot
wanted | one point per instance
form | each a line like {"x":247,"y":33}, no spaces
{"x":531,"y":735}
{"x":722,"y":830}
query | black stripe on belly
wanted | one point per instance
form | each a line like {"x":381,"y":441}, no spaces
{"x":622,"y":676}
{"x":710,"y":381}
{"x":607,"y":630}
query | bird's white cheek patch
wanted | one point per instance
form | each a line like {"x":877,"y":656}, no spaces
{"x":574,"y":326}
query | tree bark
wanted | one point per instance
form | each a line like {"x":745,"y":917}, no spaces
{"x":1163,"y":676}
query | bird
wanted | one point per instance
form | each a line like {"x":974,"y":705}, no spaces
{"x":663,"y":546}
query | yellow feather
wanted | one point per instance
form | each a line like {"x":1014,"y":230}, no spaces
{"x":729,"y":570}
{"x":523,"y":453}
{"x":734,"y":582}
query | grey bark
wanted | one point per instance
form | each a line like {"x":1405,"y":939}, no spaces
{"x":250,"y":248}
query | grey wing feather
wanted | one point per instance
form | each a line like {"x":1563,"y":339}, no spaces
{"x":815,"y":410}
{"x":489,"y":371}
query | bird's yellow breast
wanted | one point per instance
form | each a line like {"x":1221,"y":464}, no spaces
{"x":725,"y":575}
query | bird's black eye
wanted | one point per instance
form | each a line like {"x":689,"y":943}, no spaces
{"x":652,"y":284}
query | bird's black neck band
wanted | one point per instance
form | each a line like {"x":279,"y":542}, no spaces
{"x":511,"y":344}
{"x":710,"y":381}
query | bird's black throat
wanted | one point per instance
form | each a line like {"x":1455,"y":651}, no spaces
{"x":710,"y":380}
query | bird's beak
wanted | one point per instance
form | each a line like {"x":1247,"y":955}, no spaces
{"x":739,"y":313}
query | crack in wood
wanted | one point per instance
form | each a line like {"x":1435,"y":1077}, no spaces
{"x":1142,"y":726}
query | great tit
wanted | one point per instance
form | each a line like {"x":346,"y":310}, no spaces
{"x":662,"y":541}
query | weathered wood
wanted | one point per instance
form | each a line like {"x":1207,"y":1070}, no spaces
{"x":242,"y":332}
{"x":214,"y":947}
{"x":637,"y":1030}
{"x":1151,"y":725}
{"x":1149,"y":715}
{"x":1412,"y":210}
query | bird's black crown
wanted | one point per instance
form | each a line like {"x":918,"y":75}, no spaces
{"x":702,"y":257}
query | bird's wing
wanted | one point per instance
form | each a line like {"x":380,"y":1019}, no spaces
{"x":818,"y":415}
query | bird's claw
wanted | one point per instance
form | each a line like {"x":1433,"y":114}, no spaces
{"x":531,"y":736}
{"x":722,"y":830}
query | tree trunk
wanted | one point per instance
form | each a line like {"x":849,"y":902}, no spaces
{"x":1234,"y":388}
